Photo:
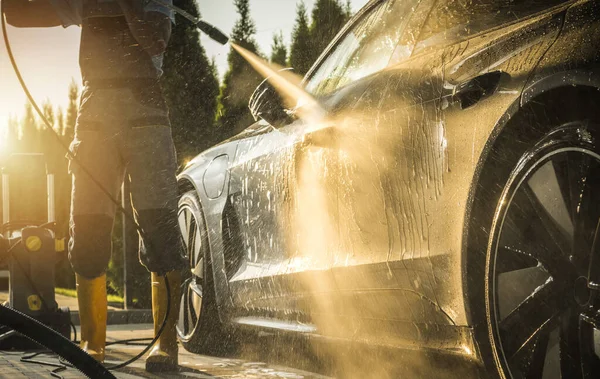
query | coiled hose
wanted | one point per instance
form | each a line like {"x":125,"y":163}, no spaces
{"x":40,"y":333}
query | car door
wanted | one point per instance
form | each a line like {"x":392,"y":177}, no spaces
{"x":288,"y":178}
{"x":403,"y":166}
{"x":482,"y":54}
{"x":260,"y":183}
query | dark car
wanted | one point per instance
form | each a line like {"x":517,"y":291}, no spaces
{"x":446,"y":200}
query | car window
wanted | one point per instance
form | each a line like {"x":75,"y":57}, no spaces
{"x":366,"y":48}
{"x":456,"y":20}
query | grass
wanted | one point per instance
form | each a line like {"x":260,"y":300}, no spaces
{"x":73,"y":293}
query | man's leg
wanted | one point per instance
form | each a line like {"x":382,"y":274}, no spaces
{"x":152,"y":167}
{"x":92,"y":216}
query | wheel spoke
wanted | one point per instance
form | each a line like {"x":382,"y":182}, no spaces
{"x":196,"y":304}
{"x":567,"y":169}
{"x":531,"y":317}
{"x":510,"y":258}
{"x":190,"y":310}
{"x":551,"y":203}
{"x":531,"y":359}
{"x":587,"y":215}
{"x":183,"y":225}
{"x":192,"y":239}
{"x":530,"y":231}
{"x":181,"y":318}
{"x":197,"y":245}
{"x":593,"y":270}
{"x":570,"y":356}
{"x":198,"y":270}
{"x":514,"y":287}
{"x":183,"y":322}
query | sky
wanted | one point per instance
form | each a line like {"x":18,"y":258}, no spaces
{"x":48,"y":58}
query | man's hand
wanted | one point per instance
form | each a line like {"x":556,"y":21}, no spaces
{"x":32,"y":14}
{"x":152,"y":30}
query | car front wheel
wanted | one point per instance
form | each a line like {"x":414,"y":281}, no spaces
{"x":198,"y":327}
{"x":543,"y":258}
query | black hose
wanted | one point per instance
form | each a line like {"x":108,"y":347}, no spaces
{"x":67,"y":350}
{"x":58,"y":367}
{"x":40,"y":333}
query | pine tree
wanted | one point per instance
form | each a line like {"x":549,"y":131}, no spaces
{"x":348,"y":10}
{"x":300,"y":55}
{"x":12,"y":135}
{"x":328,"y":18}
{"x":68,"y":130}
{"x":278,"y":50}
{"x":46,"y":141}
{"x":190,"y":87}
{"x":241,"y":79}
{"x":48,"y":114}
{"x":29,"y":131}
{"x":60,"y":121}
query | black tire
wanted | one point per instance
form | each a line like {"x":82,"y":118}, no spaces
{"x":539,"y":311}
{"x":199,"y":327}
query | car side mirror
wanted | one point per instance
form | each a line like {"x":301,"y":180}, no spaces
{"x":266,"y":103}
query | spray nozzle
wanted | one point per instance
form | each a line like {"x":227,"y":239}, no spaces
{"x":212,"y":32}
{"x":205,"y":27}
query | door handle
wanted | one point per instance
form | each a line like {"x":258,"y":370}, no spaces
{"x":474,"y":90}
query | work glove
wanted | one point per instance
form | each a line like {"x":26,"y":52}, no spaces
{"x":152,"y":30}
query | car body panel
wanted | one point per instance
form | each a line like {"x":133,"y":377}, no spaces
{"x":358,"y":232}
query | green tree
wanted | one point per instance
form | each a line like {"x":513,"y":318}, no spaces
{"x":278,"y":50}
{"x":60,"y":121}
{"x":328,"y":18}
{"x":48,"y":114}
{"x":300,"y":55}
{"x":241,"y":79}
{"x":72,"y":109}
{"x":12,"y":135}
{"x":190,"y":86}
{"x":348,"y":9}
{"x":47,"y":142}
{"x":29,"y":131}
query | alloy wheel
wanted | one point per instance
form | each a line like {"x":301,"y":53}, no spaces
{"x":191,"y":295}
{"x":542,"y":306}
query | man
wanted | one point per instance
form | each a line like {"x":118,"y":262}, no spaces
{"x":122,"y":126}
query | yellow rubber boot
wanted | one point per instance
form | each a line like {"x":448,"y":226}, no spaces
{"x":164,"y":356}
{"x":91,"y":296}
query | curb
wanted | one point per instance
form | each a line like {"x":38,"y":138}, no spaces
{"x":120,"y":317}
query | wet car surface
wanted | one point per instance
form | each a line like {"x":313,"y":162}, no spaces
{"x":441,"y":199}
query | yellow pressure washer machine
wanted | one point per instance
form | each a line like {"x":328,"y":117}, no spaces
{"x":28,"y":247}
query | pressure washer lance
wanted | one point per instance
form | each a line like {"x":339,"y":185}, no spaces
{"x":205,"y":27}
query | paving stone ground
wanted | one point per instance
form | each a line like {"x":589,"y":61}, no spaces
{"x":192,"y":365}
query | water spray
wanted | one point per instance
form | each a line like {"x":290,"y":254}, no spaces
{"x":208,"y":29}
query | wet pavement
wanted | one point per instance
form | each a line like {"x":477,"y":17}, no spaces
{"x":192,"y":365}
